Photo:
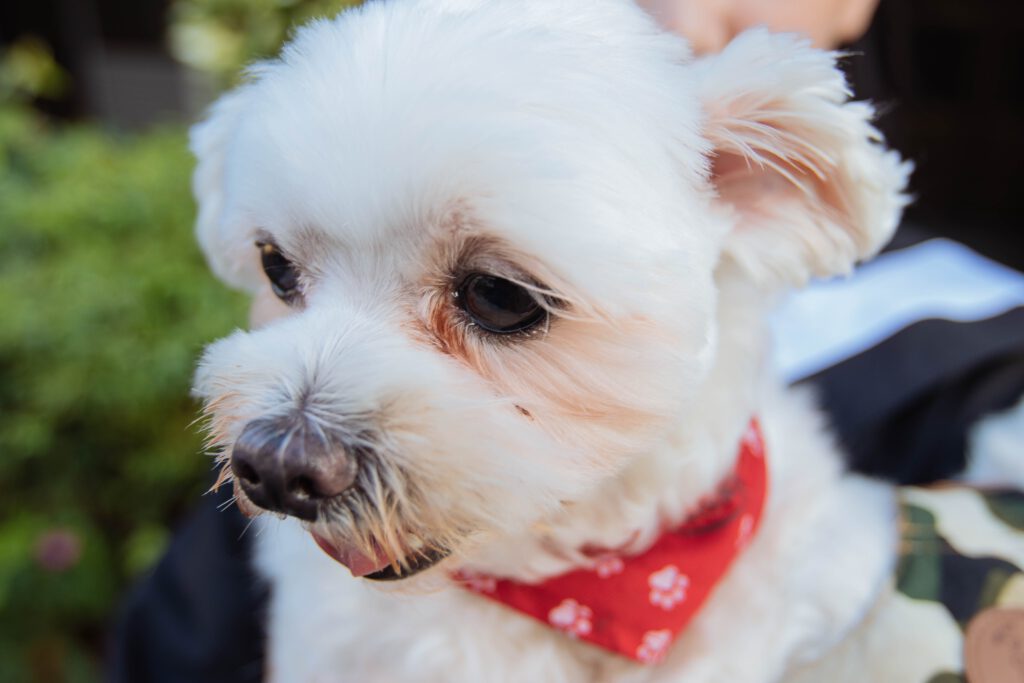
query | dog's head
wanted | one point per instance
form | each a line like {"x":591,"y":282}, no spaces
{"x":494,"y":232}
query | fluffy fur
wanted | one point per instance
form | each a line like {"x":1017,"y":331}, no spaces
{"x":657,"y":204}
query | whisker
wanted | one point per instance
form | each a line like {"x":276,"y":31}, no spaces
{"x":249,"y":524}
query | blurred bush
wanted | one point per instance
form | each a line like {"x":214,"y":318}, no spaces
{"x":218,"y":37}
{"x":28,"y":70}
{"x":106,"y":303}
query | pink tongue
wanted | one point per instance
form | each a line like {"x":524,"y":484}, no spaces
{"x":357,"y":563}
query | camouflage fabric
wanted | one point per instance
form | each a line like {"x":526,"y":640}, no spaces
{"x":963,"y":549}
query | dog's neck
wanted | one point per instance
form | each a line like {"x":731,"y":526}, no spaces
{"x":659,"y":488}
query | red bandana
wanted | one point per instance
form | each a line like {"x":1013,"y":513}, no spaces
{"x":636,"y":606}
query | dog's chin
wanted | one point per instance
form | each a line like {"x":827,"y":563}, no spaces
{"x":377,"y":566}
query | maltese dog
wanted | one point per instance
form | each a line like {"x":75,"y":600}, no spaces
{"x":506,"y":394}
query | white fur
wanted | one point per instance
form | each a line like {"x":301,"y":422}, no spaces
{"x":994,"y":447}
{"x":664,"y":201}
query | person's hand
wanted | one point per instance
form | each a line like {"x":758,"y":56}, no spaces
{"x":710,"y":24}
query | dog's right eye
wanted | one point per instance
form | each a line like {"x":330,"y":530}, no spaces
{"x":499,"y":305}
{"x":283,"y":276}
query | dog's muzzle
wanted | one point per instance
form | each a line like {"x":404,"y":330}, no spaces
{"x":291,"y":467}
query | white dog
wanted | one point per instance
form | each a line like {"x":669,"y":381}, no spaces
{"x":521,"y":254}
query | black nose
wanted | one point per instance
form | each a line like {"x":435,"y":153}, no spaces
{"x":290,"y":468}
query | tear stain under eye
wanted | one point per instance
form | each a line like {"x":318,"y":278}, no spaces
{"x":524,"y":411}
{"x":444,"y":329}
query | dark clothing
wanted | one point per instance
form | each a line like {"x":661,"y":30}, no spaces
{"x":197,"y":617}
{"x":917,"y":393}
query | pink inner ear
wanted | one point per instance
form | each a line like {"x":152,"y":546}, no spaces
{"x":749,"y":190}
{"x":742,"y":181}
{"x":768,"y":185}
{"x":811,"y":186}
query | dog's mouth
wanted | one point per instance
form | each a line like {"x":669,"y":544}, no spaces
{"x":379,"y":567}
{"x":423,"y":561}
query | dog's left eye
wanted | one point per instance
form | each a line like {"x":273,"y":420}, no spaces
{"x":283,"y":276}
{"x":499,"y":305}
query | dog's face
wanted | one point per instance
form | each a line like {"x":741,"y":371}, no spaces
{"x":493,"y":229}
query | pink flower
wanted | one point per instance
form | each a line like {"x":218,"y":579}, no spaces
{"x":58,"y":550}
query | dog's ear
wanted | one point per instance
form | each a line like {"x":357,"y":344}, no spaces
{"x":211,"y":141}
{"x":802,"y":171}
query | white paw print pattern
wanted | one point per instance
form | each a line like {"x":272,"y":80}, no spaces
{"x":608,"y":566}
{"x":654,"y":646}
{"x":752,"y":441}
{"x":743,"y":531}
{"x":668,"y":587}
{"x":572,"y":617}
{"x":480,"y":583}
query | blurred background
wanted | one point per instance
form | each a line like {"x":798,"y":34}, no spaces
{"x":107,"y":301}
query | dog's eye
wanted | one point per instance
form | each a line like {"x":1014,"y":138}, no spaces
{"x":499,"y":305}
{"x":284,"y":278}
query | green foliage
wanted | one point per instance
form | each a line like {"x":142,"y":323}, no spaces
{"x":106,"y":304}
{"x":220,"y":36}
{"x":27,"y":70}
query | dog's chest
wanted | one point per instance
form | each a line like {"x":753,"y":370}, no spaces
{"x":962,"y":553}
{"x":325,"y":626}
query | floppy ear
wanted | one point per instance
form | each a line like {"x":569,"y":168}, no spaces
{"x":211,"y":141}
{"x":801,"y":170}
